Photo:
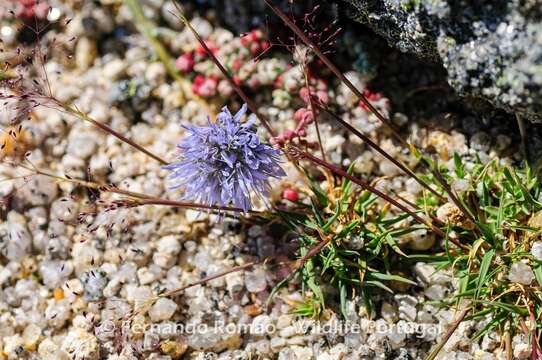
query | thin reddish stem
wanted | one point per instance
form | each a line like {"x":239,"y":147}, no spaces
{"x":381,"y":151}
{"x":313,"y":111}
{"x":365,"y":185}
{"x":251,"y":105}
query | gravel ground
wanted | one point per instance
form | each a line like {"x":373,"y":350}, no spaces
{"x":80,"y":280}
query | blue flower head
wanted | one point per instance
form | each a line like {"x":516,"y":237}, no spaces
{"x":222,"y":162}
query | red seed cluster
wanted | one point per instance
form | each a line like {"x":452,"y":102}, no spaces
{"x":25,"y":9}
{"x":235,"y":54}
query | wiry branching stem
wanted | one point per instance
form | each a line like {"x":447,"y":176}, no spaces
{"x":312,"y":107}
{"x":291,"y":24}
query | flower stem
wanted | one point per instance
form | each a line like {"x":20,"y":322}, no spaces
{"x":213,"y":277}
{"x":313,"y":111}
{"x":365,"y":185}
{"x":381,"y":151}
{"x":140,"y":198}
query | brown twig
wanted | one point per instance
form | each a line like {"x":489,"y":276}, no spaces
{"x":84,"y":116}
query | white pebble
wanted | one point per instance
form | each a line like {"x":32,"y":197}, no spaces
{"x":255,"y":280}
{"x":521,"y":273}
{"x":163,"y":309}
{"x":536,"y":250}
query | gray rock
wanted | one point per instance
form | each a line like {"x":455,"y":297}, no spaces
{"x":491,"y":49}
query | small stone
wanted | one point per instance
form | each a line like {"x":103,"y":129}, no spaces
{"x":31,"y":336}
{"x":354,"y":241}
{"x":435,"y":292}
{"x":277,"y":343}
{"x":54,"y":273}
{"x":522,"y":351}
{"x":288,"y":332}
{"x":113,"y":69}
{"x":261,"y":325}
{"x":81,"y":144}
{"x":147,"y":275}
{"x":18,"y":241}
{"x":40,"y":190}
{"x":48,"y":350}
{"x":536,"y":250}
{"x":429,"y":275}
{"x":407,"y":307}
{"x":58,"y":313}
{"x":389,"y":312}
{"x":82,"y":345}
{"x":521,"y":273}
{"x":94,"y":282}
{"x":155,"y":73}
{"x":461,"y":185}
{"x":202,"y":261}
{"x":64,"y":209}
{"x":421,"y":240}
{"x":255,"y":280}
{"x":396,"y":335}
{"x":85,"y":53}
{"x":141,"y":297}
{"x":169,"y":244}
{"x":163,"y":309}
{"x":175,"y":349}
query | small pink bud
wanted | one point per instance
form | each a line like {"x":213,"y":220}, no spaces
{"x":279,"y":82}
{"x":304,"y":93}
{"x":236,"y":64}
{"x":289,"y":134}
{"x":208,"y":88}
{"x":323,"y":97}
{"x":255,"y":35}
{"x":290,"y":195}
{"x":307,"y":117}
{"x":298,"y":115}
{"x":254,"y":48}
{"x":245,"y":40}
{"x":254,"y":82}
{"x":201,"y":51}
{"x":185,"y":63}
